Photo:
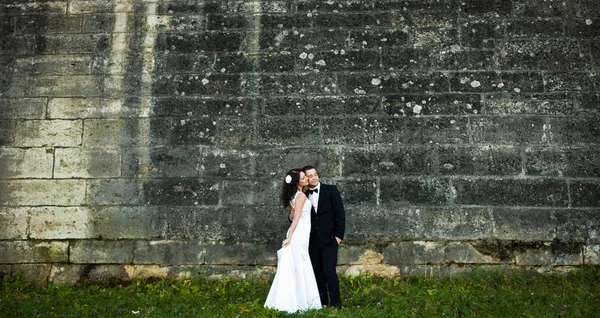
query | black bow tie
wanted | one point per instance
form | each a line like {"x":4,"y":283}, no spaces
{"x":309,"y":191}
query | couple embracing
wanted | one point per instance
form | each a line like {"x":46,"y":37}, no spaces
{"x":306,"y":277}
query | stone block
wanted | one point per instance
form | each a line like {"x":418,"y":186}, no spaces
{"x":66,"y":274}
{"x":414,"y":253}
{"x":95,"y":6}
{"x":17,"y":45}
{"x":351,"y":60}
{"x":351,"y":254}
{"x":86,"y":163}
{"x":5,"y":270}
{"x":414,"y":191}
{"x":199,"y":42}
{"x":215,"y":107}
{"x":581,"y":28}
{"x":557,"y":55}
{"x":465,"y":253}
{"x":431,"y":104}
{"x":26,"y":163}
{"x":243,"y":193}
{"x":17,"y":252}
{"x":42,"y":192}
{"x":493,"y":82}
{"x":356,"y":131}
{"x":194,"y":85}
{"x":101,"y":273}
{"x":386,"y":223}
{"x":13,"y":223}
{"x":23,"y":108}
{"x":278,"y":131}
{"x":393,"y":83}
{"x":101,"y":252}
{"x":578,"y":225}
{"x":524,"y":224}
{"x":113,"y":191}
{"x":7,"y":132}
{"x":296,"y":84}
{"x":545,"y":257}
{"x":48,"y":24}
{"x":361,"y":20}
{"x":459,"y":223}
{"x":48,"y":223}
{"x":385,"y":161}
{"x":360,"y":191}
{"x":176,"y":161}
{"x":36,"y":273}
{"x":71,"y":85}
{"x":558,"y":162}
{"x":431,"y":130}
{"x":276,"y":40}
{"x":79,"y":108}
{"x":365,"y":38}
{"x":479,"y":160}
{"x":182,"y":23}
{"x":570,"y":81}
{"x":203,"y":223}
{"x":591,"y":254}
{"x":574,"y":131}
{"x":53,"y":133}
{"x":236,"y":132}
{"x":535,"y":104}
{"x":486,"y":8}
{"x":188,"y":63}
{"x":127,"y":222}
{"x":22,"y":8}
{"x":534,"y":29}
{"x":533,"y":9}
{"x":170,"y":252}
{"x":585,"y":193}
{"x":55,"y":65}
{"x":223,"y":163}
{"x":511,"y":192}
{"x":322,"y":105}
{"x":123,"y":132}
{"x":509,"y":130}
{"x":241,"y":253}
{"x":181,"y":191}
{"x":264,"y":224}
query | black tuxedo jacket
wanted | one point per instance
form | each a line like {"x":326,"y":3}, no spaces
{"x":330,"y":219}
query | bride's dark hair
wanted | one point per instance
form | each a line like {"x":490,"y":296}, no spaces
{"x":288,"y":190}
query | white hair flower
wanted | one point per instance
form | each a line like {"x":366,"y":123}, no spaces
{"x":288,"y":179}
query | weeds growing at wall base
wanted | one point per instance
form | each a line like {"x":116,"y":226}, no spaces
{"x":478,"y":294}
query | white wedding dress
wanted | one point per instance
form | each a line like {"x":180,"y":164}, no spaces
{"x":294,"y":286}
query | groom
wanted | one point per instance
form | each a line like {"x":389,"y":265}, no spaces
{"x":326,"y":233}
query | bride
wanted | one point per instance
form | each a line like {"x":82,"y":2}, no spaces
{"x":294,"y":286}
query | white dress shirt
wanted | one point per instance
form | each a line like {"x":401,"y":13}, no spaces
{"x":314,"y":197}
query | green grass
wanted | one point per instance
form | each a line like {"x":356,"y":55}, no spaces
{"x":479,"y":294}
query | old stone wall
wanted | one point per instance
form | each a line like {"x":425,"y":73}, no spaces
{"x":149,"y":137}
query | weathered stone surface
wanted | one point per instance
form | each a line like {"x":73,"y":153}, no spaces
{"x":371,"y":263}
{"x":13,"y":223}
{"x":127,"y":222}
{"x":416,"y":252}
{"x":201,"y":223}
{"x":71,"y":108}
{"x":36,"y":273}
{"x":384,"y":161}
{"x":101,"y":252}
{"x":26,"y":163}
{"x":464,"y":253}
{"x":181,"y":192}
{"x":482,"y":160}
{"x":42,"y":133}
{"x":241,"y":253}
{"x":66,"y":273}
{"x":42,"y":192}
{"x":457,"y":223}
{"x":60,"y":223}
{"x":512,"y":192}
{"x":508,"y":130}
{"x":99,"y":273}
{"x":16,"y":252}
{"x":557,"y":162}
{"x":414,"y":191}
{"x":546,"y":257}
{"x":591,"y":254}
{"x":170,"y":252}
{"x":366,"y":224}
{"x":585,"y":193}
{"x":23,"y":108}
{"x":276,"y":161}
{"x":524,"y":224}
{"x":86,"y":163}
{"x":113,"y":191}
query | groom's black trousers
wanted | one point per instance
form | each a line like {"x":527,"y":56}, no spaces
{"x":324,"y":261}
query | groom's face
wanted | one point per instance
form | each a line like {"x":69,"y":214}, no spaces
{"x":313,"y":177}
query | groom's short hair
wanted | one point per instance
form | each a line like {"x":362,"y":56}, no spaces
{"x":309,"y":167}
